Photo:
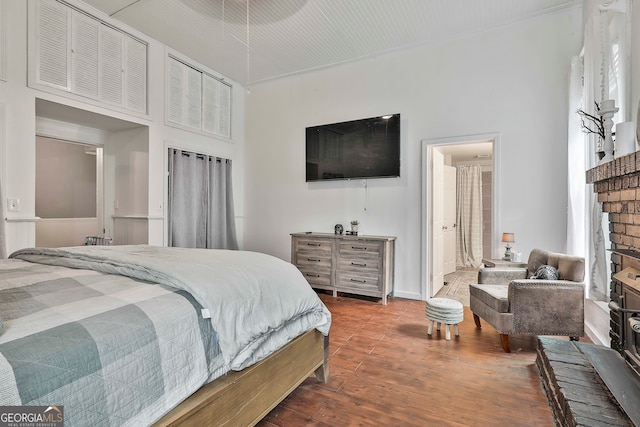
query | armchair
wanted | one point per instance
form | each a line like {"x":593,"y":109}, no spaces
{"x":513,"y":301}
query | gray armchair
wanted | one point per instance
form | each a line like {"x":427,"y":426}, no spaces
{"x":513,"y":302}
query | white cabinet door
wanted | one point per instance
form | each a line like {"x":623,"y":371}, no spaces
{"x":110,"y":65}
{"x":197,"y":100}
{"x":135,"y":74}
{"x":176,"y":93}
{"x":216,"y":106}
{"x":53,"y":22}
{"x":185,"y":95}
{"x":84,"y":55}
{"x":80,"y":54}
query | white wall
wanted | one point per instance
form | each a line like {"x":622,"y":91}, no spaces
{"x":18,"y":151}
{"x":512,"y":81}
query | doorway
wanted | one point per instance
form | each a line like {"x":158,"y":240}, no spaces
{"x":68,"y":192}
{"x":443,"y":238}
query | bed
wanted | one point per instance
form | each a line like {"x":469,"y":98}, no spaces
{"x":142,"y":335}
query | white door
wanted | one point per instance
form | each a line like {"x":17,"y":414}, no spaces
{"x":437,"y":223}
{"x":449,"y":220}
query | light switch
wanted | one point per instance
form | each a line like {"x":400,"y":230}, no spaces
{"x":13,"y":205}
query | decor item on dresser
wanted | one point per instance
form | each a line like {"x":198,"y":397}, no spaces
{"x":508,"y":238}
{"x":516,"y":301}
{"x":360,"y":265}
{"x":354,"y":226}
{"x":338,"y":229}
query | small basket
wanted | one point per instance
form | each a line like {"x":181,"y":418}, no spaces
{"x":97,"y":241}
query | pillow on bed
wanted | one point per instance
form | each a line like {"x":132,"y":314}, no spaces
{"x":546,"y":272}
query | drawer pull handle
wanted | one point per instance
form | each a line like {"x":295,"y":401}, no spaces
{"x":358,"y":281}
{"x":359,"y":248}
{"x":313,"y":260}
{"x":313,"y":244}
{"x":358,"y":264}
{"x":312,"y":275}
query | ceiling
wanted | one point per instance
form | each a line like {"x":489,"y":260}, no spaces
{"x":469,"y":152}
{"x":251,"y":41}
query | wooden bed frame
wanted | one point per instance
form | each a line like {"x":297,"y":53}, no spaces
{"x":243,"y":398}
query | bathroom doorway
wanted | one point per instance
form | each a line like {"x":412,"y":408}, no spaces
{"x":446,"y":226}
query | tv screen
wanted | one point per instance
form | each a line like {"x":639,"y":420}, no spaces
{"x":357,"y":149}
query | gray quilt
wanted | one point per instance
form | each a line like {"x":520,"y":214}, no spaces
{"x":113,"y":351}
{"x":124,"y":347}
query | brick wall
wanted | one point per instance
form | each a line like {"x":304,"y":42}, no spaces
{"x":617,"y":184}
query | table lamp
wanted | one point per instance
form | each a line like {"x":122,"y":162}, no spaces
{"x":508,"y":238}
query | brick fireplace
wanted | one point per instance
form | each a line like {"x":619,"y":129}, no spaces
{"x":617,"y":184}
{"x":589,"y":384}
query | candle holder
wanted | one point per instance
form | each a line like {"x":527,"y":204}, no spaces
{"x":607,"y":110}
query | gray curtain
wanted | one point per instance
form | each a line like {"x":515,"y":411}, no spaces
{"x":469,"y":216}
{"x":200,"y":213}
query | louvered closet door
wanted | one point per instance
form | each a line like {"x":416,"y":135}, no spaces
{"x":136,"y":75}
{"x":84,"y":55}
{"x":110,"y":65}
{"x":216,"y":104}
{"x":185,"y":95}
{"x":53,"y":25}
{"x":176,"y":93}
{"x":194,"y":98}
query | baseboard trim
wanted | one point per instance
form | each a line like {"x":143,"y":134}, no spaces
{"x":408,"y":295}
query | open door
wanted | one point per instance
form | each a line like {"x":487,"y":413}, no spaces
{"x":449,"y":219}
{"x":437,"y":222}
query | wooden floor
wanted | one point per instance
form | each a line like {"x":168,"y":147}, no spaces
{"x":386,"y":371}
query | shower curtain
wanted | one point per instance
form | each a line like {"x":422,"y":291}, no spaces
{"x":201,"y":213}
{"x":469,"y":216}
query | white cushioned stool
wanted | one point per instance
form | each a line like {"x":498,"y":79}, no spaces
{"x":444,"y":310}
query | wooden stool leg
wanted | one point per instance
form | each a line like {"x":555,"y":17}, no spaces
{"x":430,"y":328}
{"x":438,"y":329}
{"x":447,"y":332}
{"x":457,"y":329}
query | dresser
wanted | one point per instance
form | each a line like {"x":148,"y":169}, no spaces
{"x":361,"y":265}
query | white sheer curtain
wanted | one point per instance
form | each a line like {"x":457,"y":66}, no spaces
{"x":469,"y":216}
{"x":201,"y":213}
{"x":586,"y":223}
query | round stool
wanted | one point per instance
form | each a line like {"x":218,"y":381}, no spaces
{"x":444,"y":310}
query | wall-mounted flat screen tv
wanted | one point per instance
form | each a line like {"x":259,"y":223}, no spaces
{"x":357,"y":149}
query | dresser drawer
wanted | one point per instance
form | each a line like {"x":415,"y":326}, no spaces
{"x":362,"y":265}
{"x":317,"y":278}
{"x":348,"y":280}
{"x":362,"y":249}
{"x":314,"y":245}
{"x":313,"y":261}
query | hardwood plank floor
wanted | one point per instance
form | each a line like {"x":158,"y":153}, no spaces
{"x":386,"y":371}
